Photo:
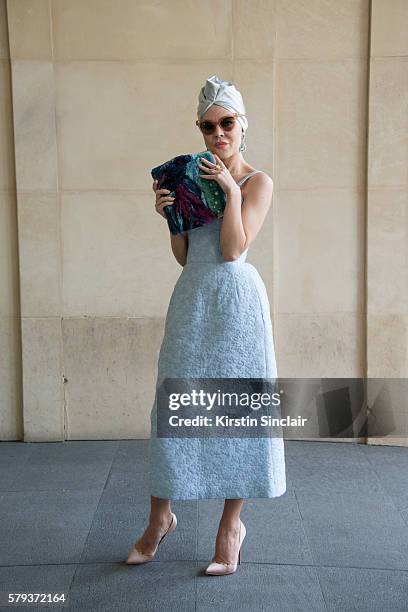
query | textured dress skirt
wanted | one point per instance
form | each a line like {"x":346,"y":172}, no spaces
{"x":218,"y":325}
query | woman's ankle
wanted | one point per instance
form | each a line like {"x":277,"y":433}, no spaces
{"x":230,"y":523}
{"x":160,"y":519}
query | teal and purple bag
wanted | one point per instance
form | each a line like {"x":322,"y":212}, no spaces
{"x":197,"y":201}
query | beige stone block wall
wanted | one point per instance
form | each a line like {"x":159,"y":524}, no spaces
{"x":11,"y":404}
{"x":387,"y":217}
{"x":100,"y":96}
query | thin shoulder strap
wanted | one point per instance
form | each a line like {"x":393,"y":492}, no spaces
{"x":242,"y":181}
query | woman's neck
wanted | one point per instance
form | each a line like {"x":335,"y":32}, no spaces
{"x":237,"y":166}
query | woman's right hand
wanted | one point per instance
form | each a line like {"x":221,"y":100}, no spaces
{"x":162,"y":199}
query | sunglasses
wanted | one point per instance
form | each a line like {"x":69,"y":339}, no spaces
{"x":227,"y":124}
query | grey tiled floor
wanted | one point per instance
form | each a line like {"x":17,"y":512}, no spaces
{"x":336,"y":540}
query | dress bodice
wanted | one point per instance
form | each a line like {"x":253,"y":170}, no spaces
{"x":204,"y":241}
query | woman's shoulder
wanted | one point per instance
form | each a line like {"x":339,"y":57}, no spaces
{"x":258,"y":182}
{"x":261,"y":175}
{"x":257,"y":177}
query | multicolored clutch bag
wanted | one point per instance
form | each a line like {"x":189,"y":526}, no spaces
{"x":197,"y":201}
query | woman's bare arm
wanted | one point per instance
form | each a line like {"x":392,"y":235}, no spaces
{"x":241,"y":223}
{"x":179,"y":242}
{"x":179,"y":246}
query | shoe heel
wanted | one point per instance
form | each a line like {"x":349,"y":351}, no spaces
{"x":139,"y":557}
{"x":239,"y":557}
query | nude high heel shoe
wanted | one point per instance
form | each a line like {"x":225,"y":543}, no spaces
{"x":221,"y":569}
{"x":136,"y":557}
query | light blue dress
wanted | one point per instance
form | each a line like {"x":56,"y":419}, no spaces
{"x":217,"y":325}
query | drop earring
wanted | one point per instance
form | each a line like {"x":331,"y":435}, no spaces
{"x":243,"y":146}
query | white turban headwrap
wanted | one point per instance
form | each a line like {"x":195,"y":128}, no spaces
{"x":222,"y":93}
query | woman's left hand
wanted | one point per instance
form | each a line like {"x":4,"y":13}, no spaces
{"x":218,"y":172}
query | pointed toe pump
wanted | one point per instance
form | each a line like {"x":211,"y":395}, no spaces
{"x":222,"y":569}
{"x":136,"y":557}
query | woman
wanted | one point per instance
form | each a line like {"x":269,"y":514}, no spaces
{"x":217,"y":325}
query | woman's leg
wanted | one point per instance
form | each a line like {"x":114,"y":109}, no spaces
{"x":159,"y":521}
{"x":227,"y":541}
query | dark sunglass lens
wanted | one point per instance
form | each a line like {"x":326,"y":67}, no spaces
{"x":207,"y":127}
{"x":228,"y":123}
